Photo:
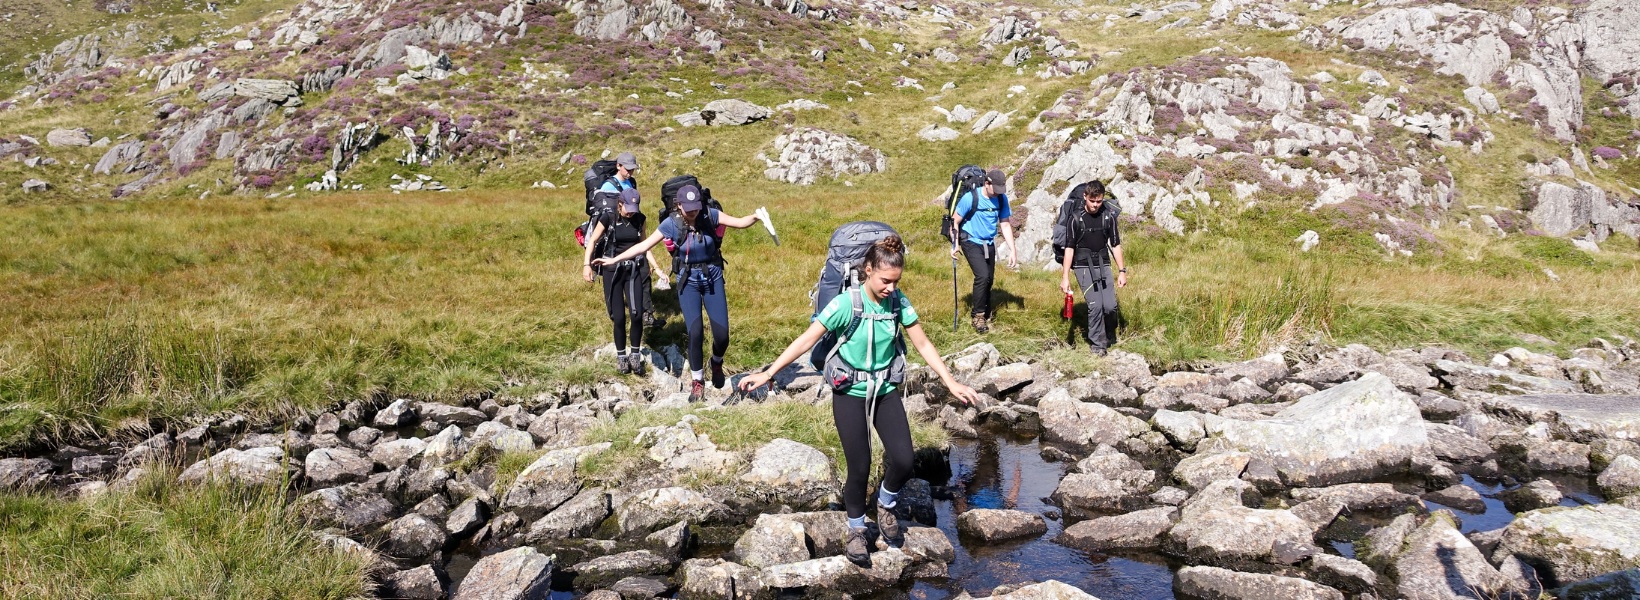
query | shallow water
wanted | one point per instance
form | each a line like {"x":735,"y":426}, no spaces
{"x":1000,"y":472}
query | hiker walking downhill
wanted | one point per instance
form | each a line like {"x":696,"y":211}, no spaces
{"x":625,"y":178}
{"x":626,"y":283}
{"x":694,"y":233}
{"x":865,"y":369}
{"x":978,"y":216}
{"x":1094,"y":240}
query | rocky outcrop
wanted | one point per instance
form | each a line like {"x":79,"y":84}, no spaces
{"x":804,"y":155}
{"x":1432,"y":559}
{"x":1576,"y":543}
{"x":727,"y":111}
{"x":791,"y":472}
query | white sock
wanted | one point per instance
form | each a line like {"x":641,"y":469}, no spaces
{"x":699,"y":375}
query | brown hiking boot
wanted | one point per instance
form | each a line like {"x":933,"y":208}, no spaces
{"x":697,"y":391}
{"x":888,"y":524}
{"x":855,"y":548}
{"x":981,"y":324}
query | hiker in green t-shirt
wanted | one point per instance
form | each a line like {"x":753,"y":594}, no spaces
{"x":869,"y":320}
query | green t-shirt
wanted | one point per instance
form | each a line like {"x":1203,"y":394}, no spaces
{"x":872,"y":346}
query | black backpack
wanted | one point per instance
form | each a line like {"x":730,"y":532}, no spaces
{"x":966,"y":179}
{"x":669,"y":193}
{"x":1064,"y":224}
{"x":594,"y":179}
{"x":840,"y":272}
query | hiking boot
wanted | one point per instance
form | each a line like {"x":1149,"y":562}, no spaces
{"x":1097,"y":351}
{"x":855,"y":548}
{"x":622,"y":364}
{"x":697,"y":391}
{"x":649,"y":319}
{"x":717,"y":373}
{"x":981,"y":324}
{"x":888,"y":524}
{"x":640,"y":364}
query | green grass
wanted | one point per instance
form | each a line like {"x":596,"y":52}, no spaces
{"x":162,"y":540}
{"x":125,"y":313}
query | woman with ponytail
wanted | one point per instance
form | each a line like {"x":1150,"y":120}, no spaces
{"x":863,"y":395}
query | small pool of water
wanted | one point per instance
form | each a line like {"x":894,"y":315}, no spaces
{"x":1004,"y":472}
{"x":1575,"y":491}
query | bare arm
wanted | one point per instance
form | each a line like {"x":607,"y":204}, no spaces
{"x":931,"y":355}
{"x":1065,"y":269}
{"x":737,"y":222}
{"x":802,"y":344}
{"x":1008,"y":238}
{"x":1121,"y":266}
{"x":586,"y":257}
{"x":636,"y":249}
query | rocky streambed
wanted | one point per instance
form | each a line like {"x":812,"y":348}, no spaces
{"x":1310,"y":473}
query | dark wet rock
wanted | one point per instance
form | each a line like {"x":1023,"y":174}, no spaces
{"x":420,"y":583}
{"x":578,"y":517}
{"x":517,"y":574}
{"x":648,"y":510}
{"x":773,"y":540}
{"x":1429,"y":558}
{"x":994,"y":525}
{"x":1359,"y":430}
{"x":94,"y":465}
{"x":548,"y":482}
{"x":1454,"y":444}
{"x":444,"y":415}
{"x":1541,"y":493}
{"x":400,"y":413}
{"x":1360,"y":496}
{"x":638,"y":588}
{"x":1576,"y":543}
{"x":1139,"y":530}
{"x":1201,"y":469}
{"x":1212,"y":583}
{"x":1262,"y":372}
{"x":353,"y":507}
{"x":24,"y":473}
{"x":604,"y":570}
{"x":1351,"y":576}
{"x":917,"y":499}
{"x":505,"y":530}
{"x":467,"y":518}
{"x":1084,"y":424}
{"x":717,"y":579}
{"x":1621,"y":585}
{"x":413,"y":536}
{"x":784,"y":471}
{"x":335,"y":466}
{"x":1621,"y":478}
{"x":1461,"y":497}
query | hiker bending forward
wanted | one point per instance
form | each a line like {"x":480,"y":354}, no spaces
{"x":868,"y":321}
{"x":696,"y":235}
{"x":626,"y":283}
{"x":1095,"y":240}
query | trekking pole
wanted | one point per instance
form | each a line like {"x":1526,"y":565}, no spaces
{"x":953,"y":294}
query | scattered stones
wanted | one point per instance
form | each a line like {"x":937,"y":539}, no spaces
{"x":805,"y":154}
{"x":605,"y":570}
{"x":578,"y":517}
{"x":1431,"y":559}
{"x":21,"y":474}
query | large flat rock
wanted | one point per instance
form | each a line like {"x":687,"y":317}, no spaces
{"x":1576,"y":543}
{"x":1581,"y":417}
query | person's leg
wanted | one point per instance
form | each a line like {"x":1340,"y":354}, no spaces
{"x":1109,"y":308}
{"x":615,"y":303}
{"x":849,"y":413}
{"x":982,"y":263}
{"x":717,"y":310}
{"x":689,"y":301}
{"x":1096,"y":320}
{"x":637,"y":301}
{"x":895,"y":431}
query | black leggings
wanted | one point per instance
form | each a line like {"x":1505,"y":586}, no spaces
{"x":982,"y":260}
{"x":702,"y":288}
{"x":626,"y":295}
{"x":892,"y":428}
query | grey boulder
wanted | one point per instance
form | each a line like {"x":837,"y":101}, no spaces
{"x":994,"y":525}
{"x":1138,"y":530}
{"x":1576,"y":543}
{"x":1213,"y":583}
{"x":517,"y":574}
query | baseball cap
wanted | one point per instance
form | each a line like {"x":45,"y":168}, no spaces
{"x":688,"y":198}
{"x":998,"y":181}
{"x":626,"y":159}
{"x":629,"y":199}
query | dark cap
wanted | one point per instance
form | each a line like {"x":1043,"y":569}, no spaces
{"x":688,"y":198}
{"x":998,"y":181}
{"x":626,"y":159}
{"x":629,"y":199}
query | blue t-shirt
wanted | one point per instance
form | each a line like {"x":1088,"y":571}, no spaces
{"x":697,"y":246}
{"x":614,"y":184}
{"x":982,"y":228}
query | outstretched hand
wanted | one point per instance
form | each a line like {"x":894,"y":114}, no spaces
{"x":754,"y":381}
{"x":964,"y":393}
{"x":602,"y":262}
